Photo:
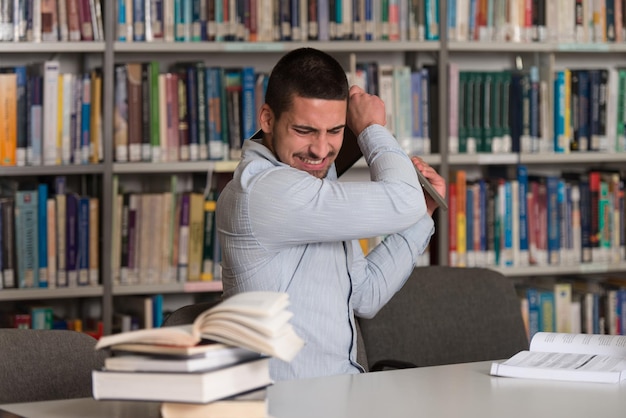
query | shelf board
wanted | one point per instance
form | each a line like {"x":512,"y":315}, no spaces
{"x":459,"y":46}
{"x":482,"y":46}
{"x":51,"y":47}
{"x":589,"y":47}
{"x":52,"y":170}
{"x":273,"y":47}
{"x":151,"y":289}
{"x":483,"y":159}
{"x":45,"y":294}
{"x":176,"y":167}
{"x":586,"y":268}
{"x":573,"y":157}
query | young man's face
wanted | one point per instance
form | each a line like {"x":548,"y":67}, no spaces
{"x":308,"y":136}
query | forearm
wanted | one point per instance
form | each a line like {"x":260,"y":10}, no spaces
{"x":377,"y":277}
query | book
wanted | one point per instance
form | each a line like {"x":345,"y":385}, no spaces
{"x":200,"y":387}
{"x":257,"y":321}
{"x":250,"y":405}
{"x":26,"y":227}
{"x":215,"y":356}
{"x":570,"y":357}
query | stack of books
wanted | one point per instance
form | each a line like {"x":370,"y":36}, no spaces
{"x":218,"y":366}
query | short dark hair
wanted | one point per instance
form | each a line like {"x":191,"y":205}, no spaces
{"x":305,"y":72}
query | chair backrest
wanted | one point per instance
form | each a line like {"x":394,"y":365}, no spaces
{"x":446,"y":315}
{"x":37,"y":365}
{"x":186,"y":314}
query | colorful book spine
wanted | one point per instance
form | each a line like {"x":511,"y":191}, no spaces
{"x":461,"y":218}
{"x":532,"y":294}
{"x":120,"y":130}
{"x":83,"y":241}
{"x":21,"y":115}
{"x":85,"y":117}
{"x":8,"y":119}
{"x":42,"y":241}
{"x":71,"y":238}
{"x":522,"y":179}
{"x":417,"y":127}
{"x":213,"y":108}
{"x":192,"y":110}
{"x":139,"y":17}
{"x":8,"y":243}
{"x":61,"y":231}
{"x":508,"y":253}
{"x":155,"y":135}
{"x":183,"y":114}
{"x":52,"y":233}
{"x":35,"y":120}
{"x":547,"y":320}
{"x":26,"y":234}
{"x":553,"y":226}
{"x":202,"y":152}
{"x":469,"y":226}
{"x":146,"y":113}
{"x":248,"y":102}
{"x":122,"y":26}
{"x":183,"y":238}
{"x":452,"y":231}
{"x":209,"y":235}
{"x":561,"y":142}
{"x":94,"y":239}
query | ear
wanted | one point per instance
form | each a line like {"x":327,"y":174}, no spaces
{"x":266,"y":119}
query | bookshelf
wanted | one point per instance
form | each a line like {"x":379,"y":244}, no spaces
{"x":469,"y":55}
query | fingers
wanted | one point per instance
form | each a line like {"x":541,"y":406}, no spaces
{"x":356,"y":90}
{"x":420,"y":164}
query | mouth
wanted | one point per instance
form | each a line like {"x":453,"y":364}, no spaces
{"x":315,"y":167}
{"x":311,"y":162}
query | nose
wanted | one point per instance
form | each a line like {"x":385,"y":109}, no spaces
{"x":320,"y":146}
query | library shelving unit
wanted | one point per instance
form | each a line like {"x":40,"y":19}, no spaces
{"x":74,"y":57}
{"x":264,"y":54}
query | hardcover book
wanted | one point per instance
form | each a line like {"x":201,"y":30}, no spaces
{"x":200,"y":387}
{"x":571,"y":357}
{"x":257,"y":321}
{"x":250,"y":405}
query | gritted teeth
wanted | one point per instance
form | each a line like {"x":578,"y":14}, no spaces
{"x":312,"y":162}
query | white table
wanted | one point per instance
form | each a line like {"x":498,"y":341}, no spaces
{"x":462,"y":390}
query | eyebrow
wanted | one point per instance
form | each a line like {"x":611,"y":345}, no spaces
{"x":312,"y":129}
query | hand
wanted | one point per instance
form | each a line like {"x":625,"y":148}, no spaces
{"x":434,"y":178}
{"x":364,"y":110}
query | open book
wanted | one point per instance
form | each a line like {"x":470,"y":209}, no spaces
{"x":573,"y":357}
{"x":257,"y":321}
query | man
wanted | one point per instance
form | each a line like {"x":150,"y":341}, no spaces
{"x":286,"y":224}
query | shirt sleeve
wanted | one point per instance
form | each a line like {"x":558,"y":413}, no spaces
{"x":377,"y":277}
{"x":322,"y":210}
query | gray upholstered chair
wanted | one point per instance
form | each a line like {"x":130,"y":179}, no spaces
{"x":446,"y":315}
{"x":186,"y":314}
{"x":37,"y":365}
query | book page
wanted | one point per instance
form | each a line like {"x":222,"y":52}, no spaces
{"x":567,"y":361}
{"x":613,"y":345}
{"x":177,"y":336}
{"x":252,"y":303}
{"x":284,"y":346}
{"x":271,"y":326}
{"x":562,"y":366}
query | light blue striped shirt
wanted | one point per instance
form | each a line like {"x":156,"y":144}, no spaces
{"x":282,"y":229}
